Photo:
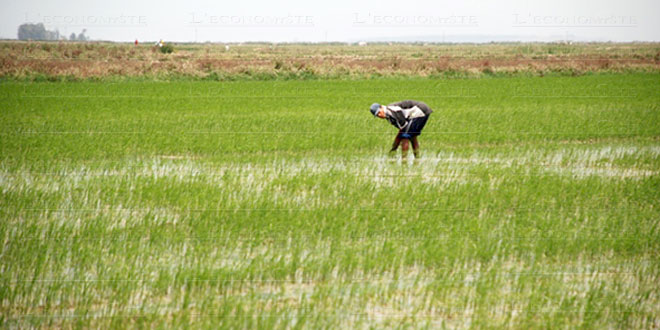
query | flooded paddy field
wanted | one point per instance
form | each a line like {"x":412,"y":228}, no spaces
{"x":275,"y":204}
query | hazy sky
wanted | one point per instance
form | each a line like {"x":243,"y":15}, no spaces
{"x":340,"y":20}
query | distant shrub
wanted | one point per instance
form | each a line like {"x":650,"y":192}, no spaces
{"x":167,"y":49}
{"x":213,"y":76}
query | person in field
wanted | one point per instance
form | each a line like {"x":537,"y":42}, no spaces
{"x":409,"y":117}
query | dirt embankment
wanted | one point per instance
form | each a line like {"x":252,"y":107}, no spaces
{"x":72,"y":61}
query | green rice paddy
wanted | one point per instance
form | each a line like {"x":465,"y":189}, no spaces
{"x":274,"y":204}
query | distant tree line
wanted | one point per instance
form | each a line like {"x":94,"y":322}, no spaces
{"x":81,"y":36}
{"x":29,"y":31}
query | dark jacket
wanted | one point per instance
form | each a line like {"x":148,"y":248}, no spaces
{"x":408,"y":104}
{"x":399,"y":120}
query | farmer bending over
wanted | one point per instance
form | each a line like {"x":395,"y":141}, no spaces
{"x":409,"y":117}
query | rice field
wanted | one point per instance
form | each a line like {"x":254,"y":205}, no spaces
{"x":274,"y":204}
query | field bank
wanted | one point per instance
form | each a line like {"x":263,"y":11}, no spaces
{"x":66,"y":61}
